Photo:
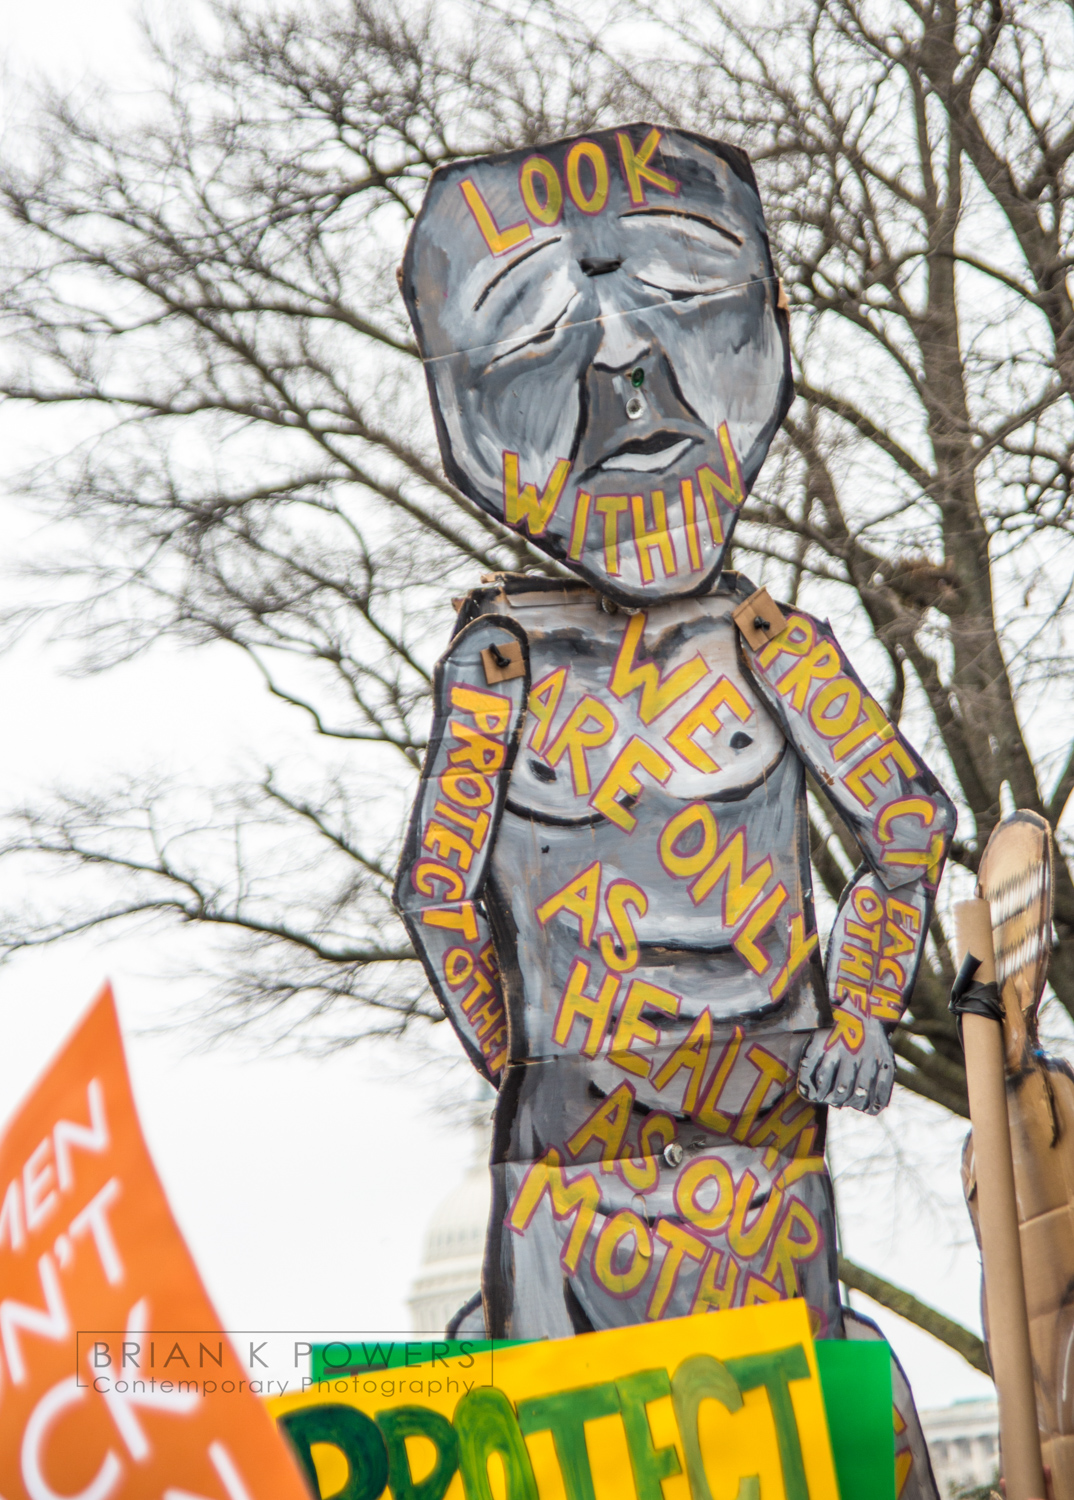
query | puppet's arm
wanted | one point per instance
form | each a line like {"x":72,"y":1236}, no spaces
{"x":903,"y":822}
{"x":444,"y":867}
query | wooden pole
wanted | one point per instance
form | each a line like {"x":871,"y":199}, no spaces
{"x":1001,"y":1249}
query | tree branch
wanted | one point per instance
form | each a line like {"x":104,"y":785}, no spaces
{"x":896,"y":1300}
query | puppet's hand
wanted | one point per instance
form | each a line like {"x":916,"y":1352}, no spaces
{"x":850,"y":1062}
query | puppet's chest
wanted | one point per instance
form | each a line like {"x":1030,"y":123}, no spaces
{"x":621,"y":702}
{"x":652,"y":828}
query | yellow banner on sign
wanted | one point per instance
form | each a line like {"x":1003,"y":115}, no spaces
{"x":723,"y":1406}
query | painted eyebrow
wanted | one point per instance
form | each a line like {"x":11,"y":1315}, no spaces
{"x":683,"y":213}
{"x":512,"y":264}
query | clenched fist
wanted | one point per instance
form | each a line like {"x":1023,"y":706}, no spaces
{"x":849,"y":1062}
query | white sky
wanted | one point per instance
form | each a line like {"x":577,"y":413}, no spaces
{"x":304,"y":1186}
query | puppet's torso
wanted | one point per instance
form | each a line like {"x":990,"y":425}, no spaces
{"x":648,"y":875}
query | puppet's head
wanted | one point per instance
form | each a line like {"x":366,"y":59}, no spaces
{"x":606,"y":356}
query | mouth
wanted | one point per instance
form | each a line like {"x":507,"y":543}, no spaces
{"x":649,"y":455}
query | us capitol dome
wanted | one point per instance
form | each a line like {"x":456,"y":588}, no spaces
{"x":450,"y":1270}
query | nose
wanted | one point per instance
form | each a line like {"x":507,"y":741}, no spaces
{"x":593,"y":265}
{"x":622,"y":344}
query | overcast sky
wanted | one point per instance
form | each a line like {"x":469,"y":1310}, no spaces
{"x":304,"y":1186}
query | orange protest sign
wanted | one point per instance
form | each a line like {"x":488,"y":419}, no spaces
{"x":92,"y":1266}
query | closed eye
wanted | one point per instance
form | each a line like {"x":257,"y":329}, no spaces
{"x":510,"y":266}
{"x":700,"y":257}
{"x":542,"y":335}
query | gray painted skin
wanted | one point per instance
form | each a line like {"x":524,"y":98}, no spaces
{"x":536,"y":351}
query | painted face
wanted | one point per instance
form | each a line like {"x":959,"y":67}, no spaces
{"x":605,"y":356}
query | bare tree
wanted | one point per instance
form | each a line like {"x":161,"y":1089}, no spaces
{"x":212,"y":279}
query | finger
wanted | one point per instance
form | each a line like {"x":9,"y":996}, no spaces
{"x":843,"y":1084}
{"x":814,"y":1051}
{"x":865,"y":1084}
{"x":825,"y":1075}
{"x":814,"y":1087}
{"x":812,"y":1056}
{"x":885,"y":1082}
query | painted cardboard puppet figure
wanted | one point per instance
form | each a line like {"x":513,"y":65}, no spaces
{"x":607,"y":872}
